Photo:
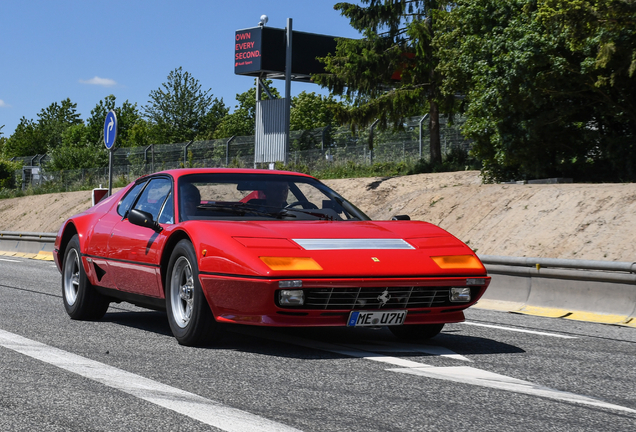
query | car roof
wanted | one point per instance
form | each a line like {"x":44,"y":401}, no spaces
{"x":179,"y":172}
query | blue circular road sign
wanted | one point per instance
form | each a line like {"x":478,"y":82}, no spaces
{"x":110,"y":129}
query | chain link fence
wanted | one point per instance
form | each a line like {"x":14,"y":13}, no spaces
{"x":316,"y":149}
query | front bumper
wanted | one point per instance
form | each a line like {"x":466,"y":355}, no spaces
{"x":253,"y":301}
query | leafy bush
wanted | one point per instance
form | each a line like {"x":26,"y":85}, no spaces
{"x":7,"y":174}
{"x":73,"y":158}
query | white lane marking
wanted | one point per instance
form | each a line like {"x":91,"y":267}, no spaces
{"x":459,"y":374}
{"x":9,"y":260}
{"x":385,"y":346}
{"x":519,"y":330}
{"x":469,"y":375}
{"x":183,"y":402}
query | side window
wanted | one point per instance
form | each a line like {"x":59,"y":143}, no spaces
{"x":167,"y":213}
{"x":153,"y":196}
{"x":129,"y":199}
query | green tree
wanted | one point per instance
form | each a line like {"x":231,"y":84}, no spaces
{"x":54,"y":120}
{"x":2,"y":139}
{"x":78,"y":151}
{"x":541,"y":99}
{"x":242,"y":121}
{"x":180,"y":111}
{"x":311,"y":111}
{"x":139,"y":134}
{"x":25,"y":141}
{"x":601,"y":29}
{"x":212,"y":120}
{"x":7,"y":173}
{"x":127,"y":117}
{"x":76,"y":136}
{"x":392,"y":72}
{"x":73,"y":158}
{"x":31,"y":138}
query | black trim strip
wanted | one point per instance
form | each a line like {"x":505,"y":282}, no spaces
{"x":120,"y":260}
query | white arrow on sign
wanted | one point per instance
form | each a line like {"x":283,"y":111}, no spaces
{"x":110,"y":127}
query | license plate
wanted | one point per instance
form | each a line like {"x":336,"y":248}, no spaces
{"x":376,"y":318}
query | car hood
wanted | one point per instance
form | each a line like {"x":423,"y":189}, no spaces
{"x":341,"y":249}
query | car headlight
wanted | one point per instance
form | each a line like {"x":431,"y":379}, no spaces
{"x":460,"y":295}
{"x":291,"y":298}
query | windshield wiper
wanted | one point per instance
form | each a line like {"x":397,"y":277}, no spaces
{"x":241,"y":210}
{"x":321,"y":216}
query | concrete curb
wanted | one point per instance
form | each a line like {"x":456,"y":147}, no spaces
{"x":27,"y":243}
{"x":42,"y":255}
{"x":593,"y":291}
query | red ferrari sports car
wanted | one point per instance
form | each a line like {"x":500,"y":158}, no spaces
{"x":260,"y":247}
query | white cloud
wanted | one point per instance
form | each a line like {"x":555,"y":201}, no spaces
{"x":104,"y":82}
{"x":3,"y":104}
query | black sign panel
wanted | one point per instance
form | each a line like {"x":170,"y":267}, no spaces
{"x":261,"y":50}
{"x":247,"y":51}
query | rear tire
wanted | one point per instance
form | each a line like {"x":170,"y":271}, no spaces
{"x":416,"y":331}
{"x":81,"y":300}
{"x":189,"y":315}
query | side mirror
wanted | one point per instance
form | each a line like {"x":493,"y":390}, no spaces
{"x":143,"y":219}
{"x":401,"y":217}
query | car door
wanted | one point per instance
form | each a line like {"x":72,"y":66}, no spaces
{"x":134,"y":252}
{"x":99,"y":237}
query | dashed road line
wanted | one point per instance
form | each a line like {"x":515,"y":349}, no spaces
{"x":385,"y":346}
{"x":459,"y":374}
{"x":482,"y":378}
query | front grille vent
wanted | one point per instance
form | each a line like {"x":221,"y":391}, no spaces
{"x":376,"y":298}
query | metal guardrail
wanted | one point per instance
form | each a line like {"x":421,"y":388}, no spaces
{"x":26,"y":242}
{"x":581,"y":270}
{"x":619,"y":266}
{"x":28,"y":236}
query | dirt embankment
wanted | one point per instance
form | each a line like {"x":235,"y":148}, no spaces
{"x":580,"y":221}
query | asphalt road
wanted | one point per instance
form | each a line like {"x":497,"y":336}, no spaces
{"x":497,"y":371}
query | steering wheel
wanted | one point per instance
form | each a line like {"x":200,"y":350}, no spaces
{"x":304,"y":204}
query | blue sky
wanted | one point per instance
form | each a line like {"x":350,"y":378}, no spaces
{"x":85,"y":50}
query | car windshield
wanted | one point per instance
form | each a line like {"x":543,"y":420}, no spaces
{"x":228,"y":196}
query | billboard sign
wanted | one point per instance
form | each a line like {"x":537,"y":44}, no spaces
{"x":261,"y":50}
{"x":247,"y":51}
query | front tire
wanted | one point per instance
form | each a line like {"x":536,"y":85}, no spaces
{"x":81,"y":300}
{"x":189,"y":315}
{"x":416,"y":331}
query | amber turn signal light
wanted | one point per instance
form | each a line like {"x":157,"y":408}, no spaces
{"x":291,"y":263}
{"x":458,"y":262}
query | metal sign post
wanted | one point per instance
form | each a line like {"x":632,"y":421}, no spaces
{"x":110,"y":136}
{"x":288,"y":77}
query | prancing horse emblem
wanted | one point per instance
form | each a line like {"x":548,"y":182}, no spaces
{"x":384,"y":298}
